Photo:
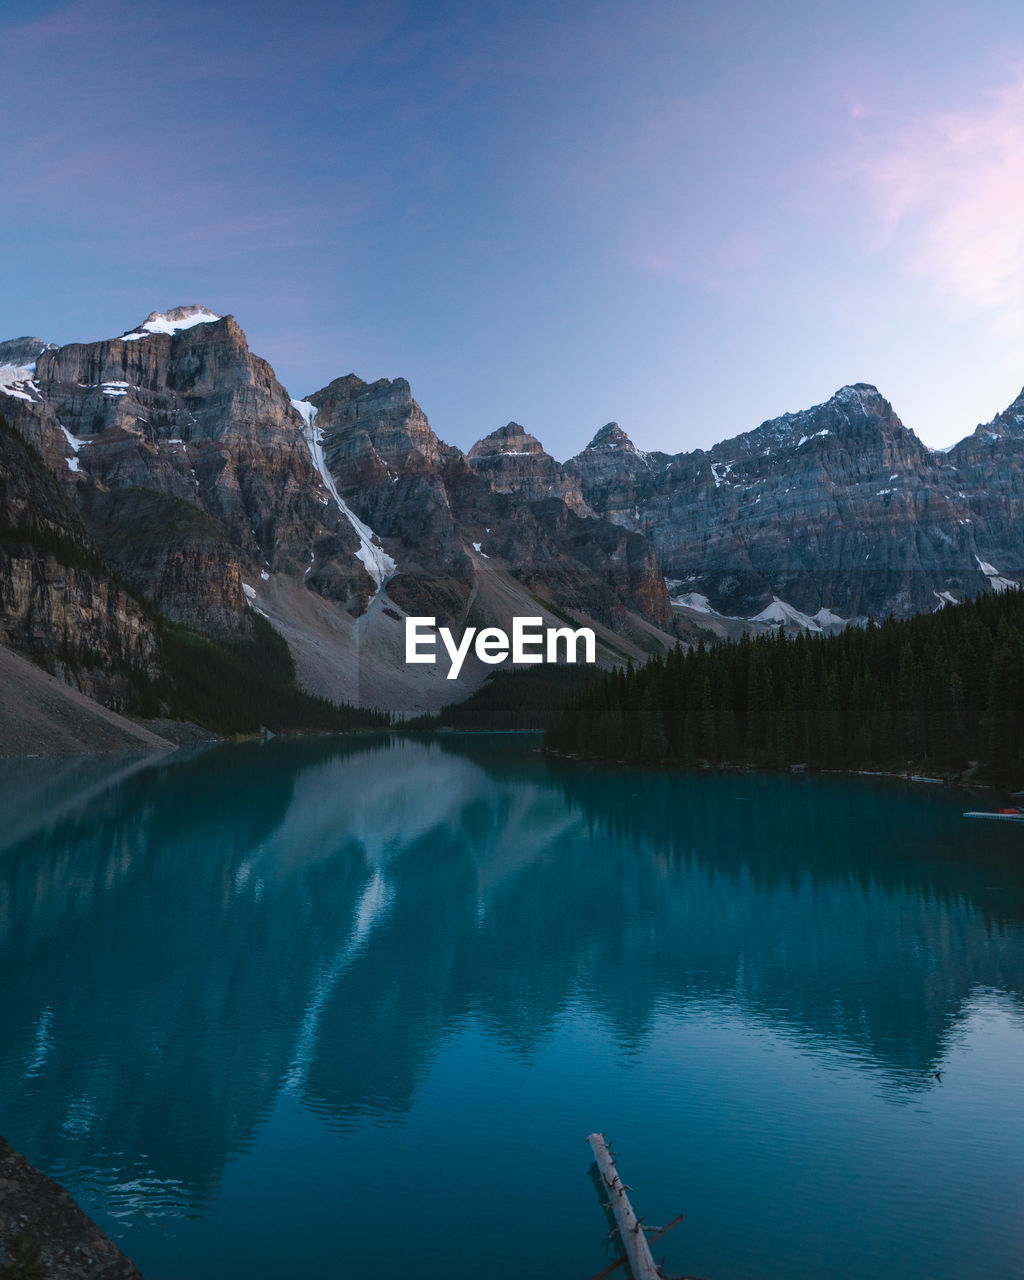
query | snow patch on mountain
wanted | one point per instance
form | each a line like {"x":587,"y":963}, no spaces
{"x":694,"y":600}
{"x":18,"y":391}
{"x":804,"y":439}
{"x":374,"y":559}
{"x":781,"y":614}
{"x":251,"y":598}
{"x":16,"y":380}
{"x":177,"y":319}
{"x":995,"y":579}
{"x":73,"y":465}
{"x":11,"y":374}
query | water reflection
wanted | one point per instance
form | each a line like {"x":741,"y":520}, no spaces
{"x":182,"y":941}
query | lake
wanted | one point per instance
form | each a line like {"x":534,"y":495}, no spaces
{"x":344,"y":1007}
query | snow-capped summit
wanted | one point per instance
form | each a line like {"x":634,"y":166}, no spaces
{"x":173,"y":321}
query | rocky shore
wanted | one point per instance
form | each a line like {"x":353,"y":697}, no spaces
{"x":44,"y":1235}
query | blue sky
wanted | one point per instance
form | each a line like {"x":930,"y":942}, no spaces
{"x":687,"y":217}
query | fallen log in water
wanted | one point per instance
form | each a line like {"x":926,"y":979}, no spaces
{"x":634,"y":1242}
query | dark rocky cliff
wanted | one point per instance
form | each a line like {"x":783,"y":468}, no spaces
{"x":172,"y":460}
{"x":59,"y":605}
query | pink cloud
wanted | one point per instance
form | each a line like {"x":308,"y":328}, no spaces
{"x":947,"y":193}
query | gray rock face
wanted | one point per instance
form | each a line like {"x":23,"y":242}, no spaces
{"x":513,"y":461}
{"x":986,"y":475}
{"x":193,"y":471}
{"x":613,"y":472}
{"x":19,"y":355}
{"x":190,"y":466}
{"x":839,"y":507}
{"x":394,"y":471}
{"x":181,"y":410}
{"x":381,"y":428}
{"x":508,"y":498}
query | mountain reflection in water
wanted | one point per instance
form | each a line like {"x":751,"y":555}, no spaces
{"x":184,"y":943}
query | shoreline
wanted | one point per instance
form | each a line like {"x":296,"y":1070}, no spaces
{"x":963,"y":781}
{"x":44,"y":1231}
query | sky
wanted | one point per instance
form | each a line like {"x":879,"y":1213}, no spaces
{"x":684,"y":216}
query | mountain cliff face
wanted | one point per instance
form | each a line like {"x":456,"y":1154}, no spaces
{"x":513,"y":461}
{"x":986,"y":471}
{"x":188,"y":458}
{"x":447,"y":515}
{"x":58,"y":604}
{"x":192,"y":474}
{"x":174,"y":457}
{"x":838,"y":508}
{"x":612,"y":471}
{"x":393,"y":470}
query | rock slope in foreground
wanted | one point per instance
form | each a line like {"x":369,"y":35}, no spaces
{"x":39,"y":715}
{"x":36,"y":1212}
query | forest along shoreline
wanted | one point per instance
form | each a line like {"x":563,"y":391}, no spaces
{"x":937,"y":696}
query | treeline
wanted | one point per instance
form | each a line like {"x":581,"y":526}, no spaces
{"x":242,"y":685}
{"x":933,"y":692}
{"x":520,"y":699}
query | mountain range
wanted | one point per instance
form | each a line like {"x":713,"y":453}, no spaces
{"x":167,"y":473}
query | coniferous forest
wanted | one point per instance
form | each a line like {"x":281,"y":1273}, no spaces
{"x":936,"y":692}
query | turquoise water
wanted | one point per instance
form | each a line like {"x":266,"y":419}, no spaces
{"x":330,"y":1008}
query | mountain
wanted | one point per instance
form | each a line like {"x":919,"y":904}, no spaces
{"x":166,"y":474}
{"x":513,"y":461}
{"x":59,"y":604}
{"x":187,"y":459}
{"x":455,"y":521}
{"x":188,"y":474}
{"x":838,"y":511}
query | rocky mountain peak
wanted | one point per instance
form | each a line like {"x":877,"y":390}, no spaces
{"x":351,"y":392}
{"x":859,"y":391}
{"x":17,"y":351}
{"x":173,"y":321}
{"x":856,"y":414}
{"x":612,"y":436}
{"x":609,"y":471}
{"x":375,"y":428}
{"x":513,"y":461}
{"x":511,"y":440}
{"x":860,"y":401}
{"x":1008,"y":423}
